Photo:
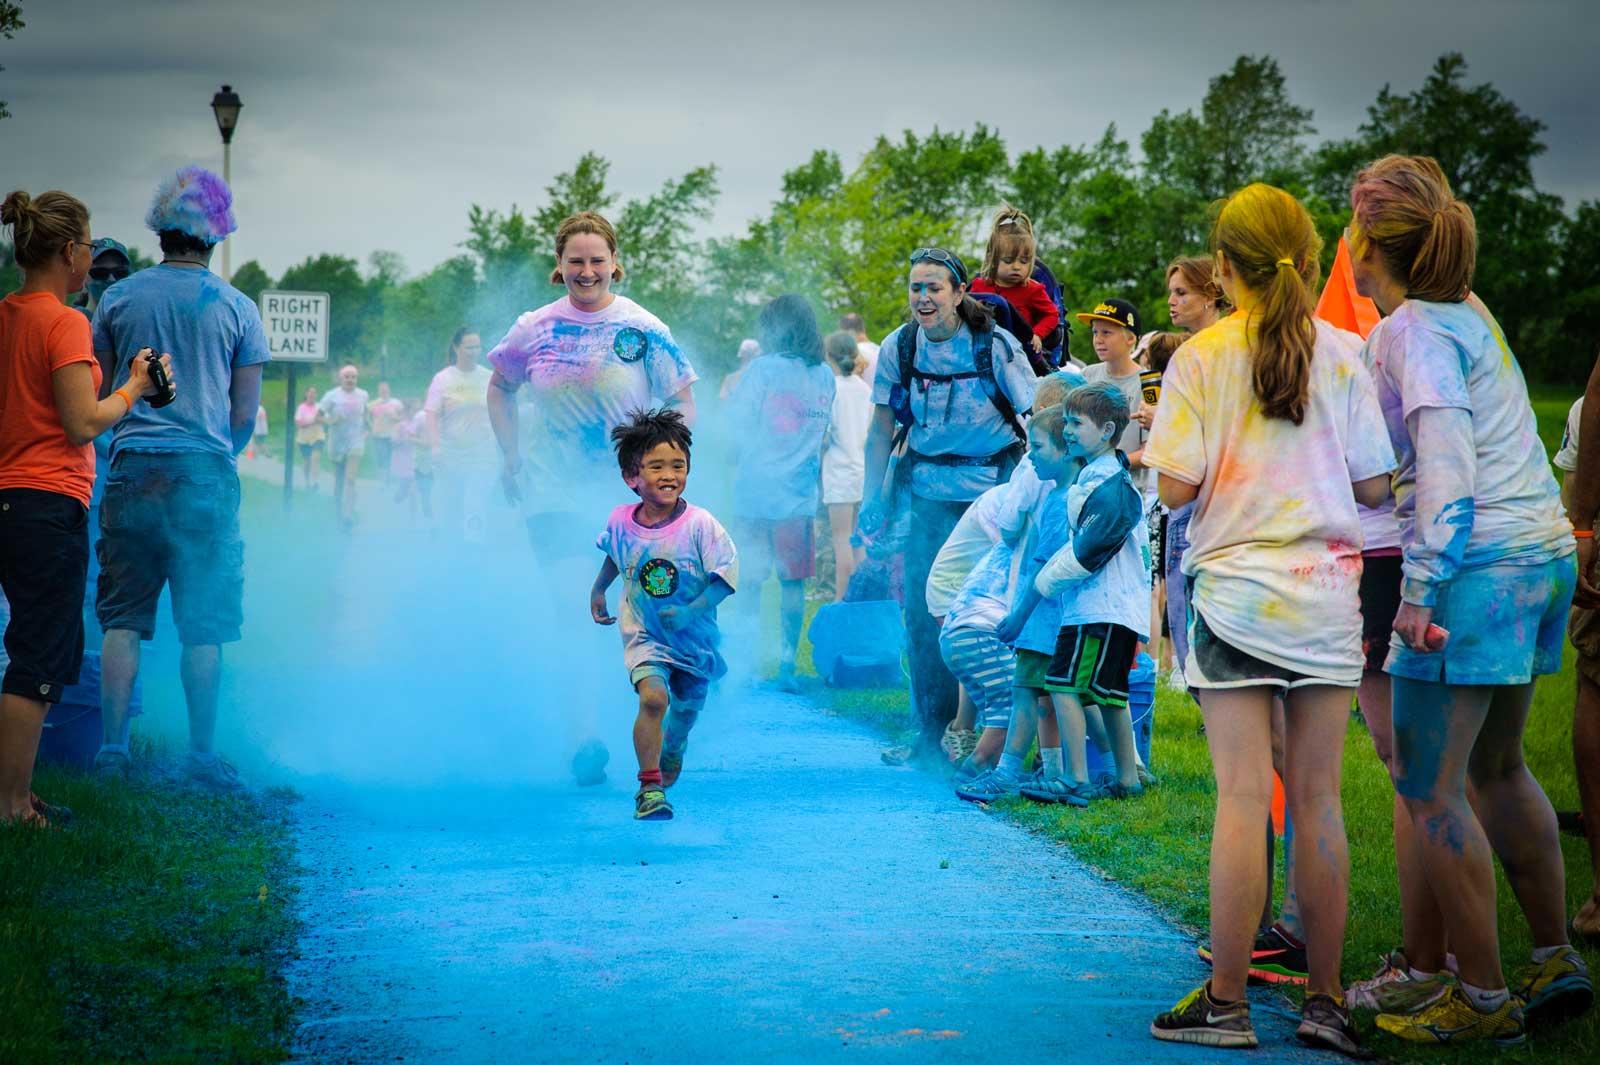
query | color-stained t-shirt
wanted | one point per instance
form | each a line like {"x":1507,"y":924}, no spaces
{"x":346,"y":415}
{"x":38,"y":336}
{"x":1116,"y":592}
{"x":956,"y":417}
{"x":1481,"y":492}
{"x":1275,"y":540}
{"x":669,"y":566}
{"x":985,"y":596}
{"x":307,"y":430}
{"x":586,"y":372}
{"x":779,"y":414}
{"x":1566,"y":457}
{"x":460,"y":401}
{"x":976,"y":531}
{"x":386,"y":414}
{"x":1052,"y":533}
{"x":210,"y":329}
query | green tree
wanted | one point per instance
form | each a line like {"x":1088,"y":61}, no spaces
{"x":252,"y":280}
{"x":339,"y":277}
{"x":10,"y":23}
{"x":10,"y":272}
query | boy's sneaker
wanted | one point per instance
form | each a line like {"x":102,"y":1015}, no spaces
{"x":589,"y":764}
{"x":1392,"y":989}
{"x":1057,"y":790}
{"x":1325,"y":1023}
{"x":1557,"y":989}
{"x":1274,"y":958}
{"x":1197,"y":1018}
{"x":989,"y":787}
{"x":958,"y":743}
{"x":111,"y":764}
{"x":651,"y":804}
{"x":213,"y":773}
{"x":671,"y":766}
{"x":1453,"y":1019}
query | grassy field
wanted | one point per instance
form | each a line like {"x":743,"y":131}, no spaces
{"x":1159,"y":844}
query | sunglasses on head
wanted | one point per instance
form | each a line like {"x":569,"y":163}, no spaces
{"x":107,"y":273}
{"x":943,"y":258}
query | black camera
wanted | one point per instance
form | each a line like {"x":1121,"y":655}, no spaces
{"x":164,"y":392}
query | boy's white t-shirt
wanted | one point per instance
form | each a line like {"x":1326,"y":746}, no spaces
{"x":669,"y":566}
{"x":1275,"y":541}
{"x":1567,"y":455}
{"x":844,"y":462}
{"x":461,"y":403}
{"x":985,"y":596}
{"x":1118,"y":593}
{"x":586,"y":372}
{"x":968,"y":542}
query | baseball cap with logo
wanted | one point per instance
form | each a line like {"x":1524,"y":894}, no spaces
{"x":1115,"y":311}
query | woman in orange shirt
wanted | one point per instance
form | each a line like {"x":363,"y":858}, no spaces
{"x":50,"y":411}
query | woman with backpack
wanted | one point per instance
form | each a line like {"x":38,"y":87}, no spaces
{"x":951,"y":388}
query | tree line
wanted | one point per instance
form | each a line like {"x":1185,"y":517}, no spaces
{"x":1108,"y":218}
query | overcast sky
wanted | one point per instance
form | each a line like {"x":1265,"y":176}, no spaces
{"x":371,"y":125}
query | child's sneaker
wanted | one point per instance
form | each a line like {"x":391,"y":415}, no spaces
{"x":589,"y":764}
{"x":111,"y":763}
{"x":651,"y":804}
{"x":1557,"y":989}
{"x":671,"y":766}
{"x":1453,"y":1019}
{"x":989,"y":787}
{"x":1057,"y":790}
{"x":1325,"y":1023}
{"x":213,"y":773}
{"x":1392,"y":989}
{"x":958,"y":743}
{"x":1198,"y":1018}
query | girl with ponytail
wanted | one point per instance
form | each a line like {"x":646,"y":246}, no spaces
{"x":1269,"y":424}
{"x":1488,"y":573}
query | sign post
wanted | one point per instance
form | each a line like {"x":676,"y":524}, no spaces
{"x":297,"y":331}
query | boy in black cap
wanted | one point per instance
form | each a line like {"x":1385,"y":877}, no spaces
{"x":1114,"y":328}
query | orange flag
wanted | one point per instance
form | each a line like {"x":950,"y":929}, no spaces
{"x":1341,"y":304}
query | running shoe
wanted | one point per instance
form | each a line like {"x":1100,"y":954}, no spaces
{"x":958,"y":743}
{"x":1453,"y":1019}
{"x":1392,"y":989}
{"x":1197,"y":1018}
{"x":1325,"y":1023}
{"x":671,"y":766}
{"x":589,"y":764}
{"x":213,"y":773}
{"x":1275,"y":958}
{"x":110,"y":765}
{"x":651,"y":804}
{"x":1057,"y":790}
{"x":989,"y":787}
{"x":1557,"y":989}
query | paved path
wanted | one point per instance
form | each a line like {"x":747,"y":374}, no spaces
{"x":808,"y":904}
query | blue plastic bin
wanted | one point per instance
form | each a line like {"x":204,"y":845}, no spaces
{"x":856,"y":645}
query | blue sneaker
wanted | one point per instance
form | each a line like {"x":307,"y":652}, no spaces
{"x":1058,"y":790}
{"x":989,"y":787}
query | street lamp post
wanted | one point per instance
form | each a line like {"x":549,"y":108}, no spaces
{"x":225,"y":105}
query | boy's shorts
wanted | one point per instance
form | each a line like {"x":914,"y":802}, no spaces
{"x":1584,"y":628}
{"x":1507,"y":625}
{"x":685,"y":687}
{"x":1380,"y":602}
{"x":984,"y":667}
{"x":787,"y":544}
{"x":1032,"y":668}
{"x":1093,"y":663}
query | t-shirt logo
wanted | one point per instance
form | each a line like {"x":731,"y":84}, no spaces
{"x":659,"y":578}
{"x":631,"y":344}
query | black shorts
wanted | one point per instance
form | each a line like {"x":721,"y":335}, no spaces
{"x":1093,"y":663}
{"x":44,"y":558}
{"x":172,"y":518}
{"x":1380,"y":602}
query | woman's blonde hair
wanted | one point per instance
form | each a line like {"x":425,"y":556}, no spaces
{"x":41,"y":227}
{"x":1012,"y":232}
{"x":584,"y":222}
{"x":1199,"y":272}
{"x":1428,"y":239}
{"x":1272,"y":244}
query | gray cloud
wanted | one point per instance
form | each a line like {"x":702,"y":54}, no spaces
{"x":374,"y":125}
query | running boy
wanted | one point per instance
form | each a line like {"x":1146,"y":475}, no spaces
{"x":1103,"y":577}
{"x":677,"y":563}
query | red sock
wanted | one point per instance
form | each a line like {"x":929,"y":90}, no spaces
{"x":650,"y":776}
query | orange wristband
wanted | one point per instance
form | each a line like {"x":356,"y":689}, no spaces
{"x":1583,"y":534}
{"x":125,"y":397}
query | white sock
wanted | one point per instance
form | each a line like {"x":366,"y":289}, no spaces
{"x":1544,"y":954}
{"x":1482,"y":1000}
{"x":1010,"y":767}
{"x":1051,"y":756}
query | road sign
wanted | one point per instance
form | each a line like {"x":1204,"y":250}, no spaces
{"x":297,"y":325}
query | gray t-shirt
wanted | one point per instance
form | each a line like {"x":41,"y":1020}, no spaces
{"x":1133,"y":437}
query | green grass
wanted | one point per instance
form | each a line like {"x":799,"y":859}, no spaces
{"x":154,"y":928}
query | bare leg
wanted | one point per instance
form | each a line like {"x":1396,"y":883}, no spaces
{"x":1120,"y":727}
{"x":991,"y":741}
{"x":201,"y":670}
{"x":1314,"y":754}
{"x":966,"y":713}
{"x":1069,"y":718}
{"x":1239,"y":733}
{"x":1049,"y":728}
{"x":792,"y":611}
{"x":1024,"y":721}
{"x":1586,"y":753}
{"x":842,"y":525}
{"x":21,"y":723}
{"x":119,"y":665}
{"x":653,"y":702}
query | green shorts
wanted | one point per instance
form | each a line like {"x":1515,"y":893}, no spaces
{"x":1031,"y":669}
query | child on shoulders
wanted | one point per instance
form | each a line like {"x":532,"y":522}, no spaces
{"x":1008,"y":273}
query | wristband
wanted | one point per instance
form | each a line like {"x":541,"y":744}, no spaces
{"x":125,"y":397}
{"x":1583,"y":534}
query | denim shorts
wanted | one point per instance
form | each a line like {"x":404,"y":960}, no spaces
{"x":172,"y":518}
{"x":1507,"y":625}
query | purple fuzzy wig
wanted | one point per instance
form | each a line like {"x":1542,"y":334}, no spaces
{"x":196,"y":202}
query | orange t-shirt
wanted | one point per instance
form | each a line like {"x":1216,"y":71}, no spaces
{"x":39,"y":335}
